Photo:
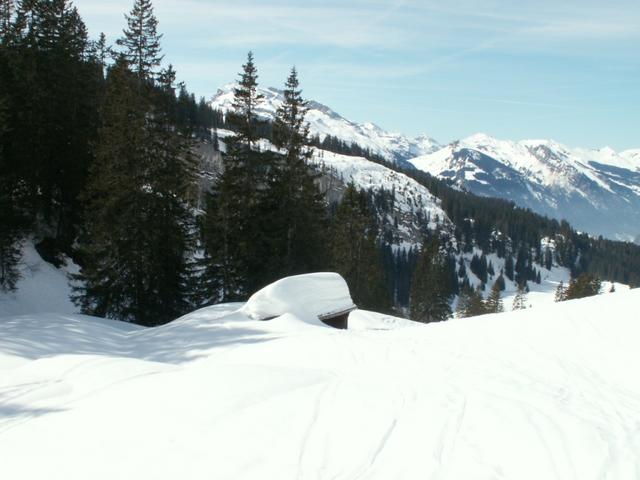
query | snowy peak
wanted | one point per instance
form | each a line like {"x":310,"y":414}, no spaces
{"x":629,"y":160}
{"x":272,"y":99}
{"x":323,"y":121}
{"x":633,"y":155}
{"x":596,"y":190}
{"x":550,"y":151}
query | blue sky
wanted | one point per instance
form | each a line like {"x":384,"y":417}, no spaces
{"x":567,"y":70}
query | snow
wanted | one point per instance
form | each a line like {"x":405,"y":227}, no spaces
{"x":632,"y":155}
{"x":42,"y":288}
{"x":607,"y":156}
{"x":539,"y":295}
{"x":541,"y":393}
{"x":305,"y":296}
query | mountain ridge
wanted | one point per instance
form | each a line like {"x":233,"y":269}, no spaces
{"x":596,"y":190}
{"x":323,"y":121}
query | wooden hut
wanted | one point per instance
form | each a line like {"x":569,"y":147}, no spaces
{"x":338,"y":318}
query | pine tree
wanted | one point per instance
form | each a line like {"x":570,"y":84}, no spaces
{"x":585,"y":285}
{"x":12,"y":219}
{"x":490,"y":269}
{"x":141,"y":41}
{"x":522,"y":266}
{"x":7,"y":9}
{"x":215,"y":141}
{"x":246,"y":99}
{"x":561,"y":293}
{"x":431,"y":293}
{"x":138,"y":232}
{"x":464,"y":298}
{"x":509,"y":267}
{"x":54,"y":92}
{"x":112,"y":251}
{"x":234,"y":226}
{"x":354,"y":252}
{"x":172,"y":177}
{"x":479,"y":267}
{"x":493,"y":303}
{"x":548,"y":259}
{"x":297,"y":217}
{"x":520,"y":300}
{"x":102,"y":51}
{"x":476,"y":305}
{"x":470,"y":302}
{"x":462,"y":269}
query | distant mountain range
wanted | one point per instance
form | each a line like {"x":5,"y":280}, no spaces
{"x":597,"y":191}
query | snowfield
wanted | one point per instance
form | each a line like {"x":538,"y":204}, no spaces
{"x":546,"y":393}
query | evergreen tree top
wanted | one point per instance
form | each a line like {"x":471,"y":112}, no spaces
{"x":141,"y":41}
{"x":245,"y":94}
{"x":52,"y":25}
{"x":290,"y":130}
{"x":245,"y":101}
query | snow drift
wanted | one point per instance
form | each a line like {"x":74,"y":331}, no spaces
{"x":546,"y":393}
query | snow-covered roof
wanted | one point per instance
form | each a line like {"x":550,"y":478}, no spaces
{"x":309,"y":297}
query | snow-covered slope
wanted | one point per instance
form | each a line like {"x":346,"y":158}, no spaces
{"x":598,"y":191}
{"x":540,"y":294}
{"x":535,"y":394}
{"x":42,"y":288}
{"x":323,"y":121}
{"x":414,"y":207}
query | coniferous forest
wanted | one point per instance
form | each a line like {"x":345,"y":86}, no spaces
{"x":98,"y":163}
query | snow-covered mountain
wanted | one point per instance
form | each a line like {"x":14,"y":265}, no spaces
{"x":323,"y":121}
{"x":414,"y":207}
{"x":597,"y":191}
